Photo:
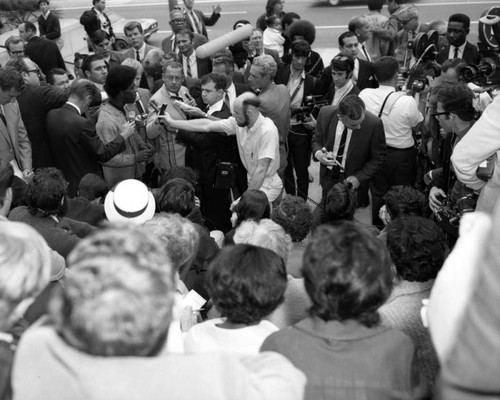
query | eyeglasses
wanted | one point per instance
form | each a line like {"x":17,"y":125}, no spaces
{"x":18,"y":53}
{"x":436,"y":115}
{"x":179,"y":20}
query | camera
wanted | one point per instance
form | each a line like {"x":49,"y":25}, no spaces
{"x":487,"y":72}
{"x":311,"y":105}
{"x":450,"y":213}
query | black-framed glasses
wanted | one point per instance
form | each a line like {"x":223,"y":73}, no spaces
{"x":36,"y":71}
{"x":18,"y":52}
{"x":179,"y":20}
{"x":436,"y":115}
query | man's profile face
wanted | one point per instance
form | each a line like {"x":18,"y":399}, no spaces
{"x":456,"y":33}
{"x":444,"y":118}
{"x":172,"y":78}
{"x":351,"y":46}
{"x":16,"y":50}
{"x":184,"y":44}
{"x":364,"y":31}
{"x":98,"y":71}
{"x":240,"y":116}
{"x":135,"y":37}
{"x":61,"y":82}
{"x":129,"y":94}
{"x":256,"y":79}
{"x":210,"y":94}
{"x":31,"y":75}
{"x":8,"y":96}
{"x":351,"y":123}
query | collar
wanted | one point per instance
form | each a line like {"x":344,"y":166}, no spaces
{"x":461,"y":48}
{"x":46,"y":15}
{"x":97,"y":11}
{"x":405,"y":288}
{"x":271,"y":86}
{"x":256,"y":126}
{"x":386,"y":88}
{"x":215,"y":107}
{"x":301,"y":75}
{"x":75,"y":106}
{"x":231,"y":88}
{"x":344,"y":89}
{"x":335,"y":330}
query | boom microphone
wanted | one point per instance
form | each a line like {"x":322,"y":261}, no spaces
{"x":224,"y":41}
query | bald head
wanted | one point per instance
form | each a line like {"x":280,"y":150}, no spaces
{"x":247,"y":98}
{"x":246,"y":109}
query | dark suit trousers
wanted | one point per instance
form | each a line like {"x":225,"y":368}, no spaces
{"x":399,"y":168}
{"x":215,"y":205}
{"x":299,"y":157}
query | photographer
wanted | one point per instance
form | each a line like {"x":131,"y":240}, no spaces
{"x":455,"y":114}
{"x":481,"y":143}
{"x":300,"y":86}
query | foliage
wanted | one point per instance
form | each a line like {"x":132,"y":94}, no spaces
{"x":14,"y":12}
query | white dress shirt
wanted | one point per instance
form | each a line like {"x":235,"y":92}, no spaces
{"x":461,"y":49}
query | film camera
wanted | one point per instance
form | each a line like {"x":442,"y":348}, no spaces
{"x":424,"y":48}
{"x":450,"y":213}
{"x":487,"y":72}
{"x":311,"y":106}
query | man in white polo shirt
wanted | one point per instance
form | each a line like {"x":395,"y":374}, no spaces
{"x":258,"y":142}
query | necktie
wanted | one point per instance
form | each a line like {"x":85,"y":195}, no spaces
{"x":137,"y":56}
{"x":365,"y":53}
{"x":456,"y":52}
{"x":226,"y":99}
{"x":340,"y":152}
{"x":2,"y":117}
{"x":196,"y":23}
{"x":188,"y":63}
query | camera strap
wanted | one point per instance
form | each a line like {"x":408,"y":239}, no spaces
{"x":296,"y":91}
{"x":383,"y":104}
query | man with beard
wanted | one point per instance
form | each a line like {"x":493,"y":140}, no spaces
{"x":120,"y":88}
{"x":257,"y":137}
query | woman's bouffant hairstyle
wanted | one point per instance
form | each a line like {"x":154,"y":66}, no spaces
{"x":340,"y":203}
{"x":253,"y":205}
{"x":46,"y":191}
{"x":295,"y":216}
{"x":117,"y":301}
{"x":246,"y":283}
{"x":303,"y":28}
{"x":347,"y":273}
{"x":417,"y":247}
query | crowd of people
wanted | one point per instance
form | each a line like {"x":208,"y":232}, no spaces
{"x":157,"y":238}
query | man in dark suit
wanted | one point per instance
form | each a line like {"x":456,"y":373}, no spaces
{"x":95,"y":19}
{"x":197,"y":21}
{"x":209,"y":150}
{"x":300,"y":86}
{"x":48,"y":23}
{"x":459,"y":47}
{"x":35,"y":102}
{"x":43,"y":52}
{"x":349,"y":143}
{"x":340,"y":68}
{"x":193,"y":66}
{"x":75,"y":145}
{"x":178,"y":22}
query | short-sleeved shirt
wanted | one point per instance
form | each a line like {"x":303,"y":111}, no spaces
{"x":256,"y":143}
{"x":403,"y":116}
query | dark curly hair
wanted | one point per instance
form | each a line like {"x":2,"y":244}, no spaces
{"x":340,"y":203}
{"x":46,"y":192}
{"x":347,"y":273}
{"x":246,"y":282}
{"x":303,"y":28}
{"x":176,"y":196}
{"x":405,"y":200}
{"x":295,"y":216}
{"x":417,"y":247}
{"x":457,"y":99}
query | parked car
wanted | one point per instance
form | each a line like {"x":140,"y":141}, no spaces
{"x":149,"y":26}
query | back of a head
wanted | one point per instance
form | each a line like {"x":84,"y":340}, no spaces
{"x":352,"y":107}
{"x":46,"y":191}
{"x":405,"y":200}
{"x":179,"y":237}
{"x":417,"y":247}
{"x":375,"y":5}
{"x":176,"y":196}
{"x":11,"y":79}
{"x":25,"y":264}
{"x":265,"y":233}
{"x":92,"y":187}
{"x":246,"y":283}
{"x":6,"y":180}
{"x":386,"y":68}
{"x":253,"y":205}
{"x":294,"y":216}
{"x":347,"y":273}
{"x":304,"y":29}
{"x":340,"y":203}
{"x":81,"y":88}
{"x":119,"y":78}
{"x":185,"y":173}
{"x":118,"y":299}
{"x":268,"y":65}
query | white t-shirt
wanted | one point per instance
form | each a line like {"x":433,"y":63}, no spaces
{"x":209,"y":337}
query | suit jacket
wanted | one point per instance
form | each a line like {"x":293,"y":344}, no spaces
{"x":331,"y":93}
{"x":44,"y":53}
{"x":311,"y":86}
{"x":366,"y":78}
{"x":130,"y":53}
{"x":91,"y":22}
{"x":204,"y":21}
{"x":50,"y":27}
{"x":198,"y":40}
{"x":204,"y":66}
{"x":76,"y":147}
{"x":35,"y":102}
{"x":367,"y":149}
{"x":471,"y":54}
{"x":241,"y":88}
{"x":14,"y":141}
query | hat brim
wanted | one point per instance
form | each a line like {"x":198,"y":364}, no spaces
{"x":114,"y":216}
